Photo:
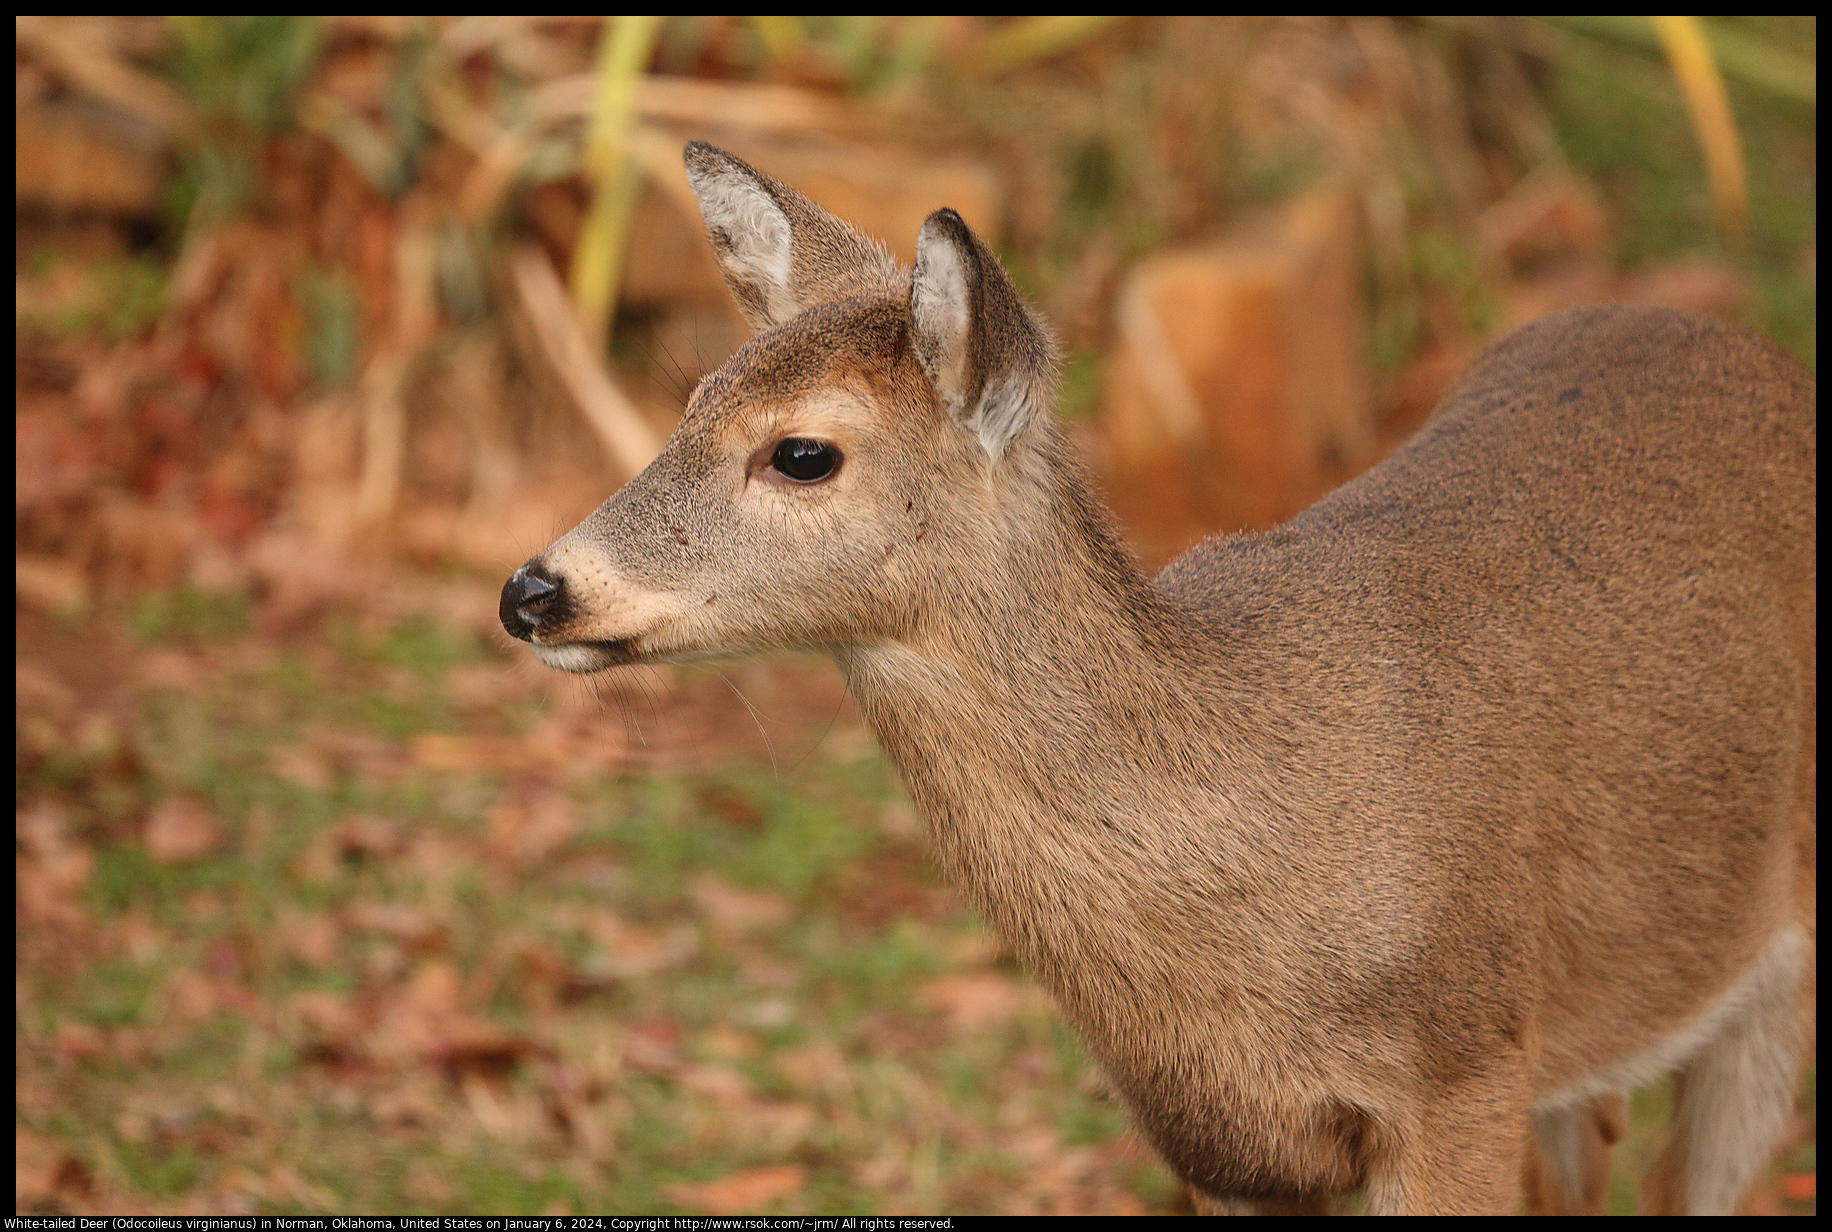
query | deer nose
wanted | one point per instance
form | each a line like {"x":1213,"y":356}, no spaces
{"x":529,"y":599}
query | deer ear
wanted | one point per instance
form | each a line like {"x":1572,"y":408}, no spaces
{"x":990,"y":360}
{"x":781,"y":253}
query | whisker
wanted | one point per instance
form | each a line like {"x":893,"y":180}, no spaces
{"x":825,"y":732}
{"x":757,"y":719}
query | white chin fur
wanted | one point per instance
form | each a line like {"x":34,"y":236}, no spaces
{"x":580,"y":660}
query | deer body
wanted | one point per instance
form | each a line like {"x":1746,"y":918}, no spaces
{"x":1355,"y":850}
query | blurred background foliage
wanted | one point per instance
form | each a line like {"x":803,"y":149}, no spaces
{"x":328,"y":901}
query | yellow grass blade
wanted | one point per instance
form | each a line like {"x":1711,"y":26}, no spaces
{"x":1683,"y":39}
{"x":782,"y":37}
{"x":1029,"y":39}
{"x":597,"y":263}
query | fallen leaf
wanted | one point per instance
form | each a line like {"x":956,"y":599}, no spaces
{"x":78,"y":1041}
{"x":750,"y":1190}
{"x":1692,"y":285}
{"x":37,"y":688}
{"x":52,"y":869}
{"x":44,"y":1173}
{"x":180,"y":831}
{"x":488,"y":687}
{"x":776,"y":1127}
{"x":171,"y":669}
{"x":425,"y":1024}
{"x":628,"y":952}
{"x":302,"y":766}
{"x":474,"y":1047}
{"x":721,"y":1083}
{"x":818,"y":1069}
{"x":55,"y":587}
{"x":650,"y":1048}
{"x":975,"y":1001}
{"x":312,"y":939}
{"x":140,"y":937}
{"x":1800,"y":1186}
{"x":191,"y":996}
{"x":446,"y":751}
{"x":528,"y":831}
{"x":402,"y":921}
{"x":735,"y":911}
{"x":362,"y":835}
{"x":411,"y":1103}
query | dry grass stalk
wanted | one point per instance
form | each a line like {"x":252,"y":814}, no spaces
{"x":1696,"y":71}
{"x":82,"y":52}
{"x":597,"y":263}
{"x":626,"y":438}
{"x":384,"y":415}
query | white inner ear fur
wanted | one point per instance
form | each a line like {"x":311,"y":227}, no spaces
{"x":758,"y":230}
{"x":941,"y":304}
{"x":1006,"y":404}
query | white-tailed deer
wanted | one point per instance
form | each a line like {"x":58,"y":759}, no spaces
{"x":1360,"y":852}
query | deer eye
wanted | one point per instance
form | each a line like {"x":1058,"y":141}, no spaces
{"x":805,"y":461}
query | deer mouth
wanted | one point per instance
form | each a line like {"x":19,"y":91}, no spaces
{"x":584,"y":658}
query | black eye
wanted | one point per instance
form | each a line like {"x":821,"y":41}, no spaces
{"x":805,"y":461}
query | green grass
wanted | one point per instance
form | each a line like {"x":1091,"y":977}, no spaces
{"x":167,"y":1043}
{"x":1621,"y":120}
{"x":520,"y":939}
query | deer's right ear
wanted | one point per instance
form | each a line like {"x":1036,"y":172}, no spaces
{"x":990,"y":359}
{"x":781,"y":253}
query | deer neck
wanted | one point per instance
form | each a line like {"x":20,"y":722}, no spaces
{"x":1040,"y":721}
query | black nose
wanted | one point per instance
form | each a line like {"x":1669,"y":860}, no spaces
{"x":531,"y":601}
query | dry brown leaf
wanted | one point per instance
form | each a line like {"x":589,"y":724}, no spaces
{"x":473,"y":1047}
{"x":180,"y":830}
{"x":528,"y":831}
{"x":55,"y":587}
{"x":412,"y":1102}
{"x":52,"y":870}
{"x":446,"y":751}
{"x":487,"y":687}
{"x":171,"y":668}
{"x":402,"y":921}
{"x":37,"y":688}
{"x":975,"y":1001}
{"x":591,"y":1135}
{"x":735,"y":911}
{"x":45,"y":1174}
{"x":365,"y":835}
{"x":433,"y":987}
{"x":650,"y":1048}
{"x":750,"y":1190}
{"x":776,"y":1127}
{"x":1692,"y":286}
{"x":78,"y":1041}
{"x":302,"y":766}
{"x":632,"y":952}
{"x":818,"y":1069}
{"x":423,"y":1023}
{"x":191,"y":996}
{"x":326,"y":1014}
{"x":720,"y":1083}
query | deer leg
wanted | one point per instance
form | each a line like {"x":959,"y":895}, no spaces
{"x":1462,"y":1155}
{"x":1317,"y":1204}
{"x":1733,"y":1097}
{"x":1567,"y":1170}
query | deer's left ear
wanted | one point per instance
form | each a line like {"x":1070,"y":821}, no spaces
{"x":989,"y":357}
{"x":781,"y":253}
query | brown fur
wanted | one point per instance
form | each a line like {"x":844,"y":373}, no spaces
{"x":1348,"y":846}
